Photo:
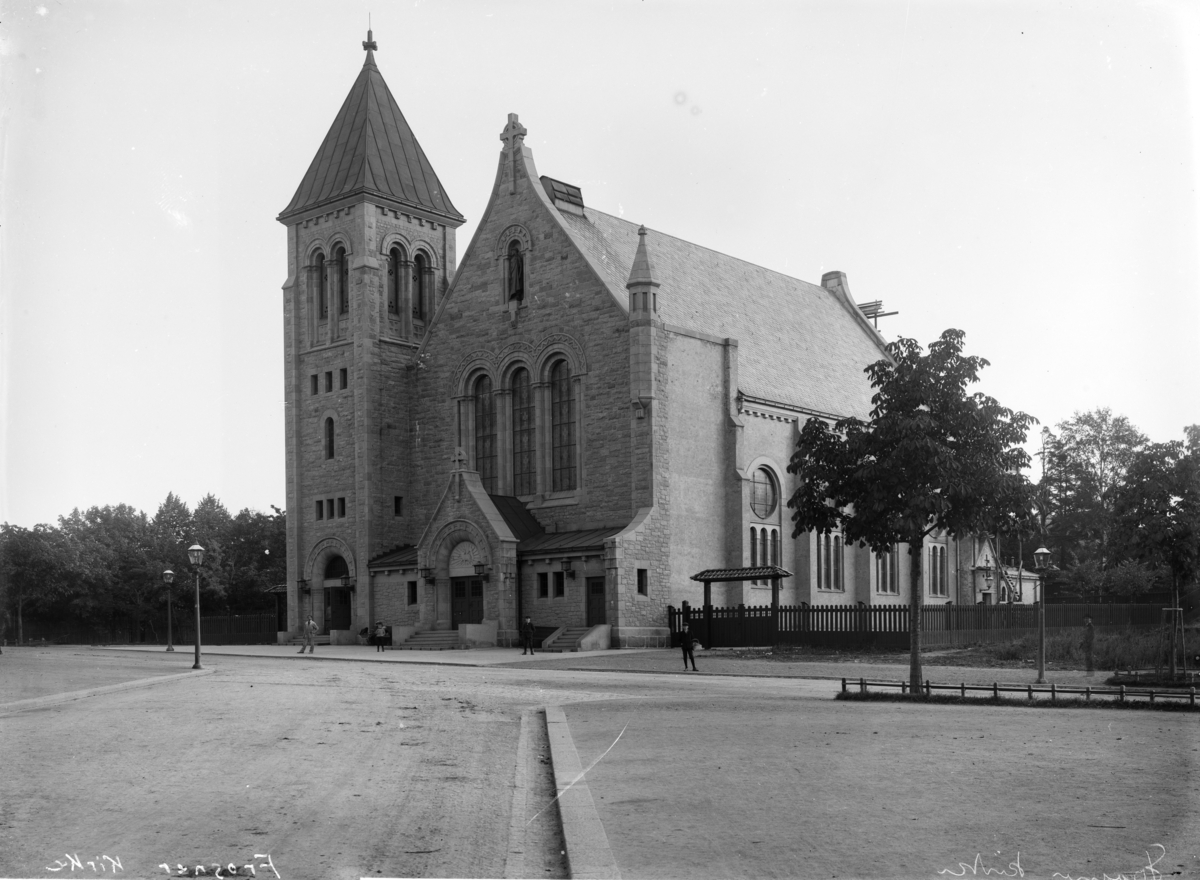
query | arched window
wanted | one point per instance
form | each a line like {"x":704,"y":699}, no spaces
{"x":418,"y":287}
{"x":343,"y":282}
{"x":523,"y":428}
{"x":938,"y":580}
{"x":829,"y":562}
{"x":329,"y":438}
{"x":562,"y":428}
{"x":764,"y":497}
{"x":319,"y":269}
{"x":485,"y":433}
{"x":754,"y":548}
{"x":887,"y":577}
{"x":764,"y":557}
{"x":516,"y":271}
{"x":395,"y":258}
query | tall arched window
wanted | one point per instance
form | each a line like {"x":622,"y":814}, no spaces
{"x":754,"y":548}
{"x":523,"y":428}
{"x":485,"y":433}
{"x":395,"y":258}
{"x":420,"y":306}
{"x":319,"y":269}
{"x":516,"y":271}
{"x":562,"y":428}
{"x":829,"y":562}
{"x":329,"y":438}
{"x":343,"y":280}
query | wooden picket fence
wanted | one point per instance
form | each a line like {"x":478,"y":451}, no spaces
{"x":886,"y":627}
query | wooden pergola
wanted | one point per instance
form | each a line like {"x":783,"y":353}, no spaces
{"x":710,"y":576}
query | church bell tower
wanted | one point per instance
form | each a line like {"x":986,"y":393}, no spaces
{"x":371,"y":251}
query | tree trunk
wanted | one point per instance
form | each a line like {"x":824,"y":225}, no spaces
{"x":916,"y":596}
{"x":20,"y":621}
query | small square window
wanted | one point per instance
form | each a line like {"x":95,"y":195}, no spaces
{"x":343,"y":379}
{"x":320,"y":509}
{"x":315,"y":382}
{"x":560,"y":584}
{"x":329,"y":380}
{"x":341,"y":508}
{"x":398,"y":502}
{"x":543,"y":585}
{"x":412,"y":592}
{"x":643,"y":578}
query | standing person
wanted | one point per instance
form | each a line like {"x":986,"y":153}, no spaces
{"x":380,"y":636}
{"x":685,"y":642}
{"x":310,"y":635}
{"x":527,"y":632}
{"x":1089,"y":642}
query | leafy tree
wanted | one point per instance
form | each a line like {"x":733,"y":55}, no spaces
{"x":1129,"y":579}
{"x":32,"y":571}
{"x":1157,"y":511}
{"x":932,"y":457}
{"x":1082,"y":466}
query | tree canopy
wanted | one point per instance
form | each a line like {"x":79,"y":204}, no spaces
{"x":932,"y":457}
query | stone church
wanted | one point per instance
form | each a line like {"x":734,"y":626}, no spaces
{"x":565,"y":424}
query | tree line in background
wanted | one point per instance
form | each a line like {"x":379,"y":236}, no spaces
{"x":1120,"y":513}
{"x":106,"y":564}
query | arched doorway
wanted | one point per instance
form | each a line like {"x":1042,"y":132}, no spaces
{"x":337,"y":596}
{"x":466,"y":587}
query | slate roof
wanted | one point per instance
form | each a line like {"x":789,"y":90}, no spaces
{"x":518,"y":518}
{"x":797,"y":342}
{"x":564,"y":542}
{"x":400,"y":557}
{"x":758,"y":573}
{"x":370,"y":149}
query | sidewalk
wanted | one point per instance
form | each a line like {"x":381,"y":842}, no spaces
{"x":652,"y":660}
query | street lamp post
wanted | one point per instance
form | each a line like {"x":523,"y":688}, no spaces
{"x":1041,"y":561}
{"x":168,"y":579}
{"x":196,"y":556}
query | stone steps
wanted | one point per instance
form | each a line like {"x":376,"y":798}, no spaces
{"x":568,"y":640}
{"x":430,"y":640}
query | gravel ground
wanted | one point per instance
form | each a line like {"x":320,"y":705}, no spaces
{"x":26,"y":673}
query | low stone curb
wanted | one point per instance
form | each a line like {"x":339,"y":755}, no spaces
{"x":71,"y":696}
{"x":588,"y":852}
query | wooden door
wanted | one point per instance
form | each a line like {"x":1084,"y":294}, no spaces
{"x":466,"y":600}
{"x":337,"y":609}
{"x":595,"y":601}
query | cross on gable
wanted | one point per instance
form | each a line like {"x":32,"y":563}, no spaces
{"x":459,"y":458}
{"x":514,"y":132}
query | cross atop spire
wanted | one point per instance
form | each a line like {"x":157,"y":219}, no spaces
{"x":514,"y":133}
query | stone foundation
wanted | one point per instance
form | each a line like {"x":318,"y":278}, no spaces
{"x":641,"y":636}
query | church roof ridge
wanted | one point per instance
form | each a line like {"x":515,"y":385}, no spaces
{"x":371,"y":149}
{"x":798,"y":342}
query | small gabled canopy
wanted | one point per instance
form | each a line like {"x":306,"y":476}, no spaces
{"x":371,"y":150}
{"x":758,"y":573}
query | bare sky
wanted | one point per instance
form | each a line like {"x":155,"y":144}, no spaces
{"x":1023,"y":171}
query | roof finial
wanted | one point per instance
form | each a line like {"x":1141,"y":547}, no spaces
{"x":369,"y":43}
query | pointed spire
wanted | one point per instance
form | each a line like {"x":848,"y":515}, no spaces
{"x":643,"y":270}
{"x":371,"y":47}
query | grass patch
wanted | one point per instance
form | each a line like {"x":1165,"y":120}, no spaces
{"x":1097,"y":702}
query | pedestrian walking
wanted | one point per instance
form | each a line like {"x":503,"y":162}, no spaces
{"x":380,"y":636}
{"x":310,"y":635}
{"x":1089,"y":642}
{"x":688,"y":644}
{"x":527,"y":633}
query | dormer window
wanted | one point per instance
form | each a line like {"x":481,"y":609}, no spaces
{"x":515,"y":271}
